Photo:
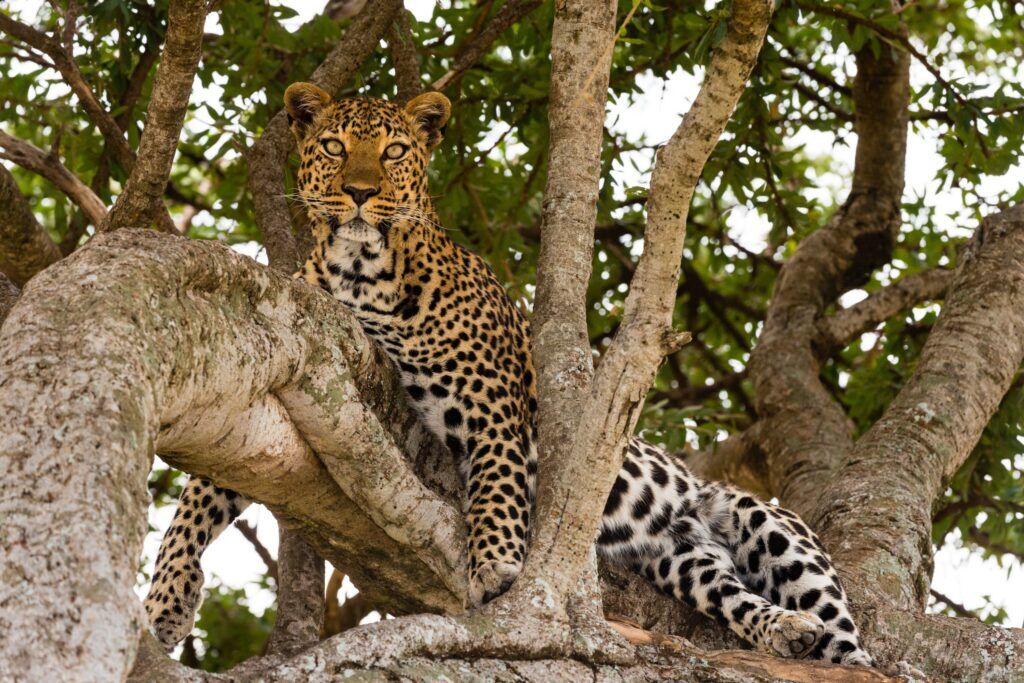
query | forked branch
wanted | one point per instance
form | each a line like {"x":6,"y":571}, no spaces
{"x":609,"y":412}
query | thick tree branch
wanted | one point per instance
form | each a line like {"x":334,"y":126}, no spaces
{"x":879,"y":527}
{"x":850,"y":323}
{"x":168,"y":104}
{"x":805,"y":433}
{"x":25,"y":248}
{"x":48,"y":166}
{"x":583,"y":38}
{"x":195,"y":381}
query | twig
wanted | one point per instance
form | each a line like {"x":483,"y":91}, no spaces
{"x":960,"y":610}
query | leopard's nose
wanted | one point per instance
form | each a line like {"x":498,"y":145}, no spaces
{"x":360,"y":194}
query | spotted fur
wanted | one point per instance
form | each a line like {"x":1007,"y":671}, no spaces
{"x":462,"y":350}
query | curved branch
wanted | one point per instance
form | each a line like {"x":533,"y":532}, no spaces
{"x":25,"y":248}
{"x":805,"y":432}
{"x":168,"y":105}
{"x":195,"y":341}
{"x":48,"y":166}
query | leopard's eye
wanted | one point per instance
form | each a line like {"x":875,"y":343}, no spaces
{"x":334,"y":147}
{"x":395,"y":151}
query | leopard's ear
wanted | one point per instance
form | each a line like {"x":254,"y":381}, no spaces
{"x":429,"y":113}
{"x":303,"y":101}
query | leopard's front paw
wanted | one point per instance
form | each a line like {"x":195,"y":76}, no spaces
{"x":794,"y":634}
{"x":490,"y":580}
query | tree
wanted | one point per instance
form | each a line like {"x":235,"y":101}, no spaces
{"x":119,"y":342}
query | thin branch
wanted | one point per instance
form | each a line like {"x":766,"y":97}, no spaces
{"x":959,"y":609}
{"x":36,"y":160}
{"x":580,"y":65}
{"x":168,"y":104}
{"x":815,"y":75}
{"x":469,"y":54}
{"x":248,"y":531}
{"x":64,"y":63}
{"x":848,"y":324}
{"x":814,"y":96}
{"x":69,"y":70}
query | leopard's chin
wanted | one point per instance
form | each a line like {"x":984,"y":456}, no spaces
{"x":355,"y":230}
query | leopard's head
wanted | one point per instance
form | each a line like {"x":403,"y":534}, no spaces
{"x":363,"y":161}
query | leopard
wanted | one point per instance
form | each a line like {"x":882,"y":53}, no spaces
{"x":461,"y":348}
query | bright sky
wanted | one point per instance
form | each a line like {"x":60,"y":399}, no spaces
{"x":962,"y":576}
